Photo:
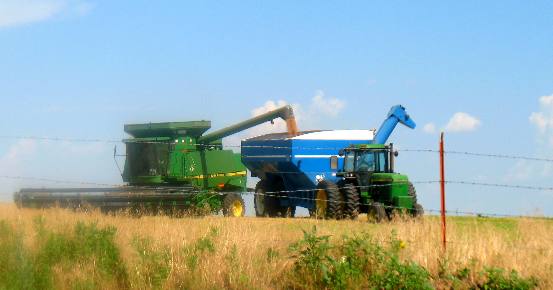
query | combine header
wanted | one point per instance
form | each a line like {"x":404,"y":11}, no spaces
{"x":169,"y":167}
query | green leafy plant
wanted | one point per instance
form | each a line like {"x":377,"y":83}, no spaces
{"x":154,"y":265}
{"x":354,"y":262}
{"x":496,"y":278}
{"x":204,"y":245}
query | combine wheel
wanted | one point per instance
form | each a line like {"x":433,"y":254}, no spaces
{"x":329,"y":202}
{"x":233,"y":205}
{"x":351,"y":201}
{"x":377,"y":212}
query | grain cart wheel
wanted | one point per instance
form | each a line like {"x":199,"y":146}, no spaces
{"x":233,"y":205}
{"x":280,"y":193}
{"x":328,"y":203}
{"x":377,"y":212}
{"x":265,"y":203}
{"x":288,"y":212}
{"x":351,"y":201}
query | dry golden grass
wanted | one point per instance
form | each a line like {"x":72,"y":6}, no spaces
{"x":240,"y":257}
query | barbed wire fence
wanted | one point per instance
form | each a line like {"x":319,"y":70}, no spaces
{"x":280,"y":194}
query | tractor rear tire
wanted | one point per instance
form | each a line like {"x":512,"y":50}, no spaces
{"x":351,"y":201}
{"x":233,"y":205}
{"x":412,"y":191}
{"x":378,"y":212}
{"x":329,"y":202}
{"x":417,"y":211}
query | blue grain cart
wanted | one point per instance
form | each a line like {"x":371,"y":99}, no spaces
{"x":291,"y":167}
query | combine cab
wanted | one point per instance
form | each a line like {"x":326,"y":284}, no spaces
{"x":171,"y":154}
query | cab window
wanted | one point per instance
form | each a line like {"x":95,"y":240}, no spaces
{"x":365,"y":161}
{"x":381,"y":156}
{"x":349,"y":161}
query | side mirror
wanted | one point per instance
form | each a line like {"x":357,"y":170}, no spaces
{"x":341,"y":152}
{"x":396,"y":154}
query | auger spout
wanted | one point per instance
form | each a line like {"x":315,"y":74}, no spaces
{"x":396,"y":115}
{"x":286,"y":113}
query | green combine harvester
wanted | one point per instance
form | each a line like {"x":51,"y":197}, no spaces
{"x":170,"y":168}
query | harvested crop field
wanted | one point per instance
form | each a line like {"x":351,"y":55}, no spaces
{"x":61,"y":249}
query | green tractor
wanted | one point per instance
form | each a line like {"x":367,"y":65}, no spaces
{"x":369,"y":184}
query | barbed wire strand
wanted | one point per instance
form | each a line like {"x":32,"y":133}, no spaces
{"x":279,"y":194}
{"x":113,"y":141}
{"x":475,"y":183}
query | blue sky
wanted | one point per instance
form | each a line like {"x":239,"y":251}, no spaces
{"x":477,"y":69}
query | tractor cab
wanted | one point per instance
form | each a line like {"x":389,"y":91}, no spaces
{"x":367,"y":159}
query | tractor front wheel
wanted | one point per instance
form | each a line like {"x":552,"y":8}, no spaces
{"x":351,"y":201}
{"x":328,"y":201}
{"x":233,"y":205}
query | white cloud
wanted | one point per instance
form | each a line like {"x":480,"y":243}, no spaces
{"x":18,"y":150}
{"x":11,"y":164}
{"x":547,"y":101}
{"x":429,"y":128}
{"x":268,"y":106}
{"x":327,"y":106}
{"x":543,"y":120}
{"x":462,"y":122}
{"x":539,"y":120}
{"x":278,"y":125}
{"x":21,"y":12}
{"x":87,"y":162}
{"x":319,"y":108}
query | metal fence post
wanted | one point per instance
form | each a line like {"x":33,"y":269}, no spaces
{"x":442,"y":189}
